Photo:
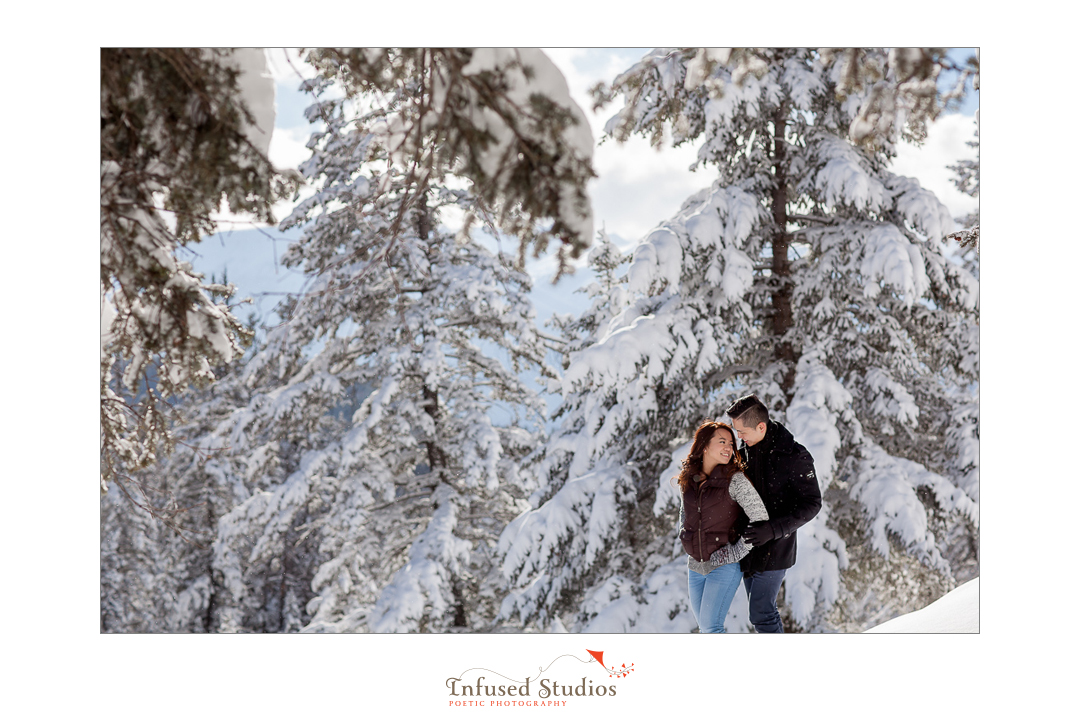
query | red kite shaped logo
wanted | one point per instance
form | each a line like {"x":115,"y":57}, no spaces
{"x":612,"y":671}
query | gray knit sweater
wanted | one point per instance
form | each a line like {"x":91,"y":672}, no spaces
{"x":743,"y":493}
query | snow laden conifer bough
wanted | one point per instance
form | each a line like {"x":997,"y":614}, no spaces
{"x":181,"y":129}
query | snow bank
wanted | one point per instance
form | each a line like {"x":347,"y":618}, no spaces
{"x":956,"y":612}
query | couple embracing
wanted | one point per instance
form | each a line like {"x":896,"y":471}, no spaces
{"x":740,"y":510}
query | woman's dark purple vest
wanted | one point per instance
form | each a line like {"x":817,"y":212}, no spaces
{"x":712,"y":518}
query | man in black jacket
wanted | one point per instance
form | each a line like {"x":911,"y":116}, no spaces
{"x":782,"y":472}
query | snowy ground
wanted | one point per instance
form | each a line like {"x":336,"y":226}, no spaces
{"x":956,"y":612}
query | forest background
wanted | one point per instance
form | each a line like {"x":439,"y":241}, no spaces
{"x":379,"y":460}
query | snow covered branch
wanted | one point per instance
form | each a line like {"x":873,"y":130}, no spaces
{"x":177,"y":135}
{"x":502,"y":119}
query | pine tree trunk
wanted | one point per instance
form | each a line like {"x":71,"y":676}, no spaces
{"x":781,"y":267}
{"x":211,"y":518}
{"x":281,"y":597}
{"x":423,"y":222}
{"x":436,"y":457}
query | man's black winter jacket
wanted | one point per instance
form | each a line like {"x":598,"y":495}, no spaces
{"x":782,"y":472}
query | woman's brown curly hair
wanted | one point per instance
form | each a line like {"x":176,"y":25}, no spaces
{"x":692,"y":465}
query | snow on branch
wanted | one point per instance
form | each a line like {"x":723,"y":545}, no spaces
{"x":549,"y":550}
{"x":421,"y":591}
{"x":887,"y":486}
{"x":820,"y":400}
{"x":814,"y":580}
{"x":919,"y":206}
{"x":842,"y":175}
{"x":891,"y":259}
{"x":658,"y":605}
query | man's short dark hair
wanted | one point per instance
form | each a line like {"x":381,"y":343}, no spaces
{"x":749,"y":411}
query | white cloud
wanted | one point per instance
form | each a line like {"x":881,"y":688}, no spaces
{"x":638,"y":186}
{"x":288,"y":147}
{"x":945,"y":143}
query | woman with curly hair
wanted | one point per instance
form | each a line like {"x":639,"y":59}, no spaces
{"x":717,"y":500}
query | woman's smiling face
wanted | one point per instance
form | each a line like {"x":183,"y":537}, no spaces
{"x":721,"y":447}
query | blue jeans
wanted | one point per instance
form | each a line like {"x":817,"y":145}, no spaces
{"x":710,"y":595}
{"x":761,"y":590}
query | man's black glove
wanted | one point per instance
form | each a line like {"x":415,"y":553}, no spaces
{"x":759,"y":533}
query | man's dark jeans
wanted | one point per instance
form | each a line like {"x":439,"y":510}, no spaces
{"x":762,"y":589}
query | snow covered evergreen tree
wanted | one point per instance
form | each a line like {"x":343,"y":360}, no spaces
{"x":156,"y":559}
{"x":382,"y":516}
{"x":808,"y":273}
{"x":373,"y":451}
{"x":183,"y":128}
{"x":350,"y":476}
